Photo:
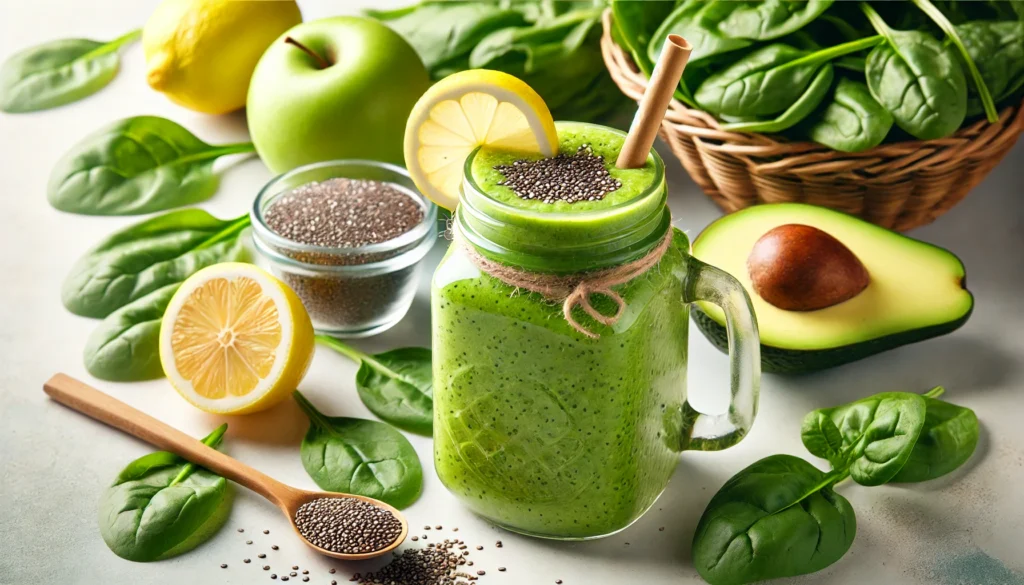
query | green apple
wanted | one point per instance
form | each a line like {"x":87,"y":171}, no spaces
{"x":334,"y":88}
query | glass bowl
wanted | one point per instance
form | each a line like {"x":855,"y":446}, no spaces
{"x":348,"y":292}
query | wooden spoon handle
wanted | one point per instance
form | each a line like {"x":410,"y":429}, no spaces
{"x":79,"y":396}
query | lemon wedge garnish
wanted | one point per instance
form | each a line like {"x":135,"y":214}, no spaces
{"x":465,"y":110}
{"x":234,"y":339}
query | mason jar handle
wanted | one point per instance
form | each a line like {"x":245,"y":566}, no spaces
{"x":716,"y":432}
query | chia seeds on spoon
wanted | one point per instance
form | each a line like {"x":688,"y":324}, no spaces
{"x":347,"y":525}
{"x":344,"y":214}
{"x":569,"y":178}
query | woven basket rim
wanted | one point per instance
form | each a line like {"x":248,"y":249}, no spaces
{"x":704,"y":127}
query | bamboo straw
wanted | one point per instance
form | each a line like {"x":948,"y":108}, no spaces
{"x":664,"y":80}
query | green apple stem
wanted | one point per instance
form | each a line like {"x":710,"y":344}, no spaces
{"x":323,"y":63}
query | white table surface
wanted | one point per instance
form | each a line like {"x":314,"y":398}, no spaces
{"x":966,"y":529}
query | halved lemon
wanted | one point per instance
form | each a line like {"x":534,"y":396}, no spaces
{"x":466,"y":110}
{"x":234,"y":339}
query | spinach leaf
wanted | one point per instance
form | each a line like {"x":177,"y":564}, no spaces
{"x":58,"y":72}
{"x":148,"y":256}
{"x":396,"y":385}
{"x":637,"y":22}
{"x":557,"y":57}
{"x":851,"y":121}
{"x":800,"y":109}
{"x":821,"y":436}
{"x":947,"y":441}
{"x":777,"y":518}
{"x":878,"y":432}
{"x":443,"y":34}
{"x":696,"y":21}
{"x":362,"y":457}
{"x":917,"y":80}
{"x":769,"y":80}
{"x":764,"y":20}
{"x":161,"y":506}
{"x":134,"y":166}
{"x":125,"y":347}
{"x":998,"y":50}
{"x":954,"y":39}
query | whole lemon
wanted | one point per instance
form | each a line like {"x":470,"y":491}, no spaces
{"x":201,"y":53}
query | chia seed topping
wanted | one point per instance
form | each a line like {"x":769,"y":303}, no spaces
{"x":565,"y":177}
{"x":347,"y":525}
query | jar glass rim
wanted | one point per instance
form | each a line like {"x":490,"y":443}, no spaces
{"x":423,"y":229}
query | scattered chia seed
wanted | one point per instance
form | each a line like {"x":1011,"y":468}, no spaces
{"x":261,"y":556}
{"x":223,"y":566}
{"x":331,"y":571}
{"x":501,"y":569}
{"x":266,"y":532}
{"x":422,"y":566}
{"x":241,"y":529}
{"x":345,"y":213}
{"x":274,"y":576}
{"x":247,"y":561}
{"x":273,"y":547}
{"x":248,"y":542}
{"x":347,"y":525}
{"x":565,"y":177}
{"x":266,"y":567}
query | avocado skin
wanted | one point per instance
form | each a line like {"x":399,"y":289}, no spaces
{"x":775,"y":360}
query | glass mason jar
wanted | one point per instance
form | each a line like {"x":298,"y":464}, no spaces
{"x":542,"y":429}
{"x":348,"y":292}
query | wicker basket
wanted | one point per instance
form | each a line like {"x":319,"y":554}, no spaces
{"x":899,"y":186}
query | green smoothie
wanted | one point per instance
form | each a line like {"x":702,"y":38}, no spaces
{"x":537,"y":427}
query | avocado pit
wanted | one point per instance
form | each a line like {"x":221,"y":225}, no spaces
{"x":798,"y":267}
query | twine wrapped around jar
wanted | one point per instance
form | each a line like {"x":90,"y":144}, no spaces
{"x":574,"y":289}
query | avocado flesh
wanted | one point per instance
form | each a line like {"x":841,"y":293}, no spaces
{"x":916,"y":290}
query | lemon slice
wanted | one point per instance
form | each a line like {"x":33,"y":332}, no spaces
{"x":234,"y":339}
{"x":466,"y":110}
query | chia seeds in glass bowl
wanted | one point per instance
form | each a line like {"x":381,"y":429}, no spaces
{"x":348,"y":237}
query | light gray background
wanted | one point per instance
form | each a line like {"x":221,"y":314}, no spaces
{"x":965,"y":529}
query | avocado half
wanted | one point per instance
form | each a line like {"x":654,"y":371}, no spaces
{"x":916,"y":290}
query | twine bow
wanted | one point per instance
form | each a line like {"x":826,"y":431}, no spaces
{"x":573,"y":290}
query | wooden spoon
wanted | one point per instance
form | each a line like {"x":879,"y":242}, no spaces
{"x":91,"y":402}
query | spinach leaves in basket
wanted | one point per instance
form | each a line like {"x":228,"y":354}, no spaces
{"x":848,"y":75}
{"x":781,"y":516}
